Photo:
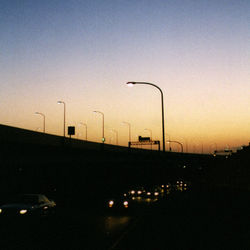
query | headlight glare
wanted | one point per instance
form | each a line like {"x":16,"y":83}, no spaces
{"x":23,"y":211}
{"x":111,"y":203}
{"x":125,"y":203}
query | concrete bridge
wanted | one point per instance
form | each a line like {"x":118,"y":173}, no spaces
{"x":37,"y":162}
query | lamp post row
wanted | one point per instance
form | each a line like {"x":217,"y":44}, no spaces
{"x":103,"y":138}
{"x":85,"y":125}
{"x":115,"y":131}
{"x":116,"y":134}
{"x":129,"y":130}
{"x":150,"y":131}
{"x":38,"y":113}
{"x":64,"y":116}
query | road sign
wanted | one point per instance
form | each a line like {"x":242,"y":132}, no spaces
{"x":149,"y":142}
{"x":71,"y":130}
{"x":140,"y":138}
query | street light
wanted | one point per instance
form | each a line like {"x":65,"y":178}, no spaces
{"x":150,"y":131}
{"x":186,"y":141}
{"x":38,"y":113}
{"x":169,"y":144}
{"x":103,"y":138}
{"x":129,"y":130}
{"x":162,"y":108}
{"x":61,"y":102}
{"x":85,"y":125}
{"x":116,"y":132}
{"x":177,"y":143}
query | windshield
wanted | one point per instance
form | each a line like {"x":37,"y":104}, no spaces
{"x":26,"y":199}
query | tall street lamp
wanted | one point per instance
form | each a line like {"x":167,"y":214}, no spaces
{"x":186,"y":141}
{"x":85,"y":125}
{"x":177,"y":143}
{"x":64,"y":114}
{"x":212,"y":145}
{"x":38,"y":113}
{"x":116,"y":132}
{"x":103,"y":138}
{"x":150,"y":131}
{"x":129,"y":130}
{"x":162,"y":108}
{"x":169,"y":143}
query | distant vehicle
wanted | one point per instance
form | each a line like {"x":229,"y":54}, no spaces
{"x":118,"y":204}
{"x":28,"y":205}
{"x":152,"y":193}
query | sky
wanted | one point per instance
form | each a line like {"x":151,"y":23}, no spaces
{"x":84,"y":52}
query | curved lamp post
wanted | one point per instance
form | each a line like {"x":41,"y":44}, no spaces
{"x":177,"y":143}
{"x":129,"y":130}
{"x":64,"y":114}
{"x":186,"y":141}
{"x":38,"y":113}
{"x":169,"y":144}
{"x":212,"y":145}
{"x":162,"y":108}
{"x":116,"y":133}
{"x":103,"y":138}
{"x":150,"y":131}
{"x":85,"y":125}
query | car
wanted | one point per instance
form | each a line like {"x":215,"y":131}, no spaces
{"x":118,"y":203}
{"x":28,"y":205}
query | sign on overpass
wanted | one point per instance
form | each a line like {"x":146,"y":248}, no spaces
{"x":144,"y":142}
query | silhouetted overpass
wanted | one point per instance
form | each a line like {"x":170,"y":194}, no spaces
{"x":37,"y":162}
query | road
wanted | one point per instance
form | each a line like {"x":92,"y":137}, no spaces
{"x":163,"y":232}
{"x":74,"y":231}
{"x":192,"y":219}
{"x":203,"y":220}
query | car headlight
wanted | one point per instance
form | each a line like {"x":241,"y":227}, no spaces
{"x":0,"y":210}
{"x":125,"y":203}
{"x":23,"y":211}
{"x":111,"y":203}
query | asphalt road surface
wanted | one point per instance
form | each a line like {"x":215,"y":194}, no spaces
{"x":193,"y":219}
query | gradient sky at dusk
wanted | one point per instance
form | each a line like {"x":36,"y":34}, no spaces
{"x":84,"y":52}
